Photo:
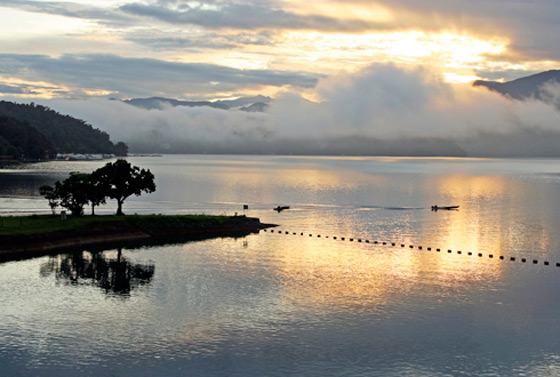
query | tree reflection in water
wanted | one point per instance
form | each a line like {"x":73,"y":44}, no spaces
{"x":114,"y":275}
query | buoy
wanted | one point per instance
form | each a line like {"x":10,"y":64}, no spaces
{"x":318,"y":236}
{"x":459,"y":252}
{"x":342,"y":238}
{"x":392,"y":244}
{"x":501,"y":257}
{"x":535,"y":261}
{"x":490,"y":256}
{"x":375,"y":242}
{"x":419,"y":247}
{"x":359,"y":240}
{"x":523,"y":260}
{"x":470,"y":253}
{"x":384,"y":243}
{"x":334,"y":238}
{"x":402,"y":244}
{"x":429,"y":249}
{"x":367,"y":241}
{"x":512,"y":259}
{"x":412,"y":246}
{"x":479,"y":254}
{"x":438,"y":250}
{"x":546,"y":263}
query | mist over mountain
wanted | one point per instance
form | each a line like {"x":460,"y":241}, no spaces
{"x":383,"y":109}
{"x":534,"y":86}
{"x":251,"y":104}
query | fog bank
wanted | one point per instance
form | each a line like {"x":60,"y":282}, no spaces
{"x":380,"y":110}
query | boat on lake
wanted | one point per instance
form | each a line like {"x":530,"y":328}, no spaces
{"x":447,"y":208}
{"x":281,"y":208}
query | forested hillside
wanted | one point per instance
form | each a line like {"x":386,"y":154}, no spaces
{"x":67,"y":134}
{"x":20,"y":141}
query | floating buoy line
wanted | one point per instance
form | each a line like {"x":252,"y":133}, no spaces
{"x":402,"y":245}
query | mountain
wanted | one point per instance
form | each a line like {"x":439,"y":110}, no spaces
{"x":243,"y":103}
{"x":525,"y":87}
{"x":67,"y":134}
{"x":20,"y":141}
{"x":160,"y":103}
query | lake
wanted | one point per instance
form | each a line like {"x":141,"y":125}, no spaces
{"x":360,"y":278}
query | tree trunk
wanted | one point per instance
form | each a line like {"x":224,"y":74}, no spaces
{"x":119,"y":208}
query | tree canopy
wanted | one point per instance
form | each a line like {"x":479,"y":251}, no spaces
{"x":117,"y":180}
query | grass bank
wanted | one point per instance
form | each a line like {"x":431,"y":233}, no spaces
{"x":42,"y":234}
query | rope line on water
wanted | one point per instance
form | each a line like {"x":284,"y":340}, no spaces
{"x":402,"y":245}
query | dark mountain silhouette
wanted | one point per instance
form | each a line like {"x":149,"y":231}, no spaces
{"x":524,"y":87}
{"x":67,"y":134}
{"x":257,"y":107}
{"x":160,"y":103}
{"x":20,"y":141}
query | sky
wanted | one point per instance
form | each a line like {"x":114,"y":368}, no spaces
{"x":336,"y":68}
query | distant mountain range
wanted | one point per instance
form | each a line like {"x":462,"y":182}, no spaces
{"x":251,"y":104}
{"x":525,"y":87}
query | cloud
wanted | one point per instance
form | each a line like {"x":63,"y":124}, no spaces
{"x":531,"y":26}
{"x":132,"y":77}
{"x":176,"y":41}
{"x":70,"y":9}
{"x":382,"y":109}
{"x":246,"y":15}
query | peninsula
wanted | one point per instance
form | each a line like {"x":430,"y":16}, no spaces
{"x":36,"y":235}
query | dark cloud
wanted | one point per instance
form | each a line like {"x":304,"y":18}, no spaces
{"x":144,"y":77}
{"x":247,"y":15}
{"x":69,"y":9}
{"x":161,"y":40}
{"x":8,"y":89}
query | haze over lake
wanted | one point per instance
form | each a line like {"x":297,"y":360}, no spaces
{"x":284,"y":304}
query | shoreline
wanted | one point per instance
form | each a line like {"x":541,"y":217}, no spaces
{"x":137,"y":230}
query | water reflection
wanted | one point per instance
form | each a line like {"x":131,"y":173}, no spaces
{"x":115,"y":276}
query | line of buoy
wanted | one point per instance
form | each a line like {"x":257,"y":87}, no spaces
{"x":402,"y":245}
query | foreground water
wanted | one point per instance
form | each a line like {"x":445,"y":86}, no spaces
{"x":277,"y":304}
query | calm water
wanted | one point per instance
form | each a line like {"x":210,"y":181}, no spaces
{"x":277,"y":304}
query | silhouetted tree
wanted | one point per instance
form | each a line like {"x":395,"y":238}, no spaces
{"x":96,"y":192}
{"x":121,"y":180}
{"x":50,"y":194}
{"x":73,"y":192}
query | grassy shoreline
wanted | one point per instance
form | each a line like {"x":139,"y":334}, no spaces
{"x":43,"y":234}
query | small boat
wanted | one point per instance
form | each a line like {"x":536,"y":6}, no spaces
{"x":281,"y":208}
{"x":447,"y":208}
